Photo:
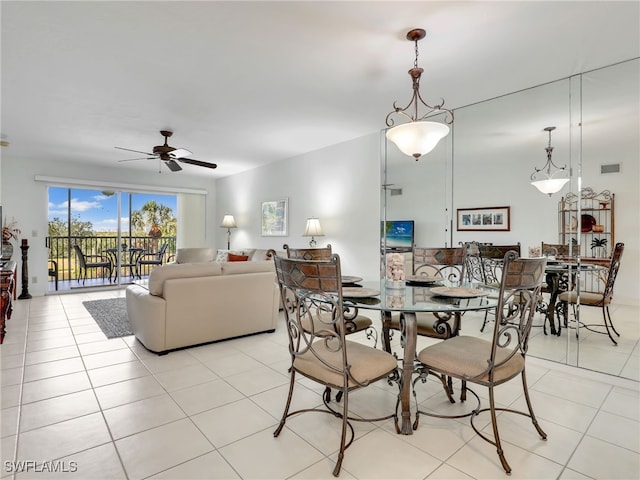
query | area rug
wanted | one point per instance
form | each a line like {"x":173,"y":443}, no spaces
{"x":111,"y":316}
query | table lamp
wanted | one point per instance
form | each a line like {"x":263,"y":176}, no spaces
{"x":313,"y":229}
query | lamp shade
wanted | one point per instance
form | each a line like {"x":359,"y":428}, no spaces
{"x":550,"y":185}
{"x":313,"y":228}
{"x":228,"y":222}
{"x":417,"y":138}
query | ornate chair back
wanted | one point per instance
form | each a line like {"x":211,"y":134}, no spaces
{"x":311,"y":292}
{"x":323,"y":253}
{"x":445,"y":262}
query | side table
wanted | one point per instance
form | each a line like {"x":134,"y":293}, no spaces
{"x":7,"y":292}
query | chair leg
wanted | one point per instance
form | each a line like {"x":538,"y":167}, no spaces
{"x":292,"y":382}
{"x":484,"y":323}
{"x":534,"y":420}
{"x":496,"y":435}
{"x":610,"y":322}
{"x":343,"y":438}
{"x":605,"y":312}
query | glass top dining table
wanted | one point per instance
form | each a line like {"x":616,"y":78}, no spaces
{"x":408,"y":299}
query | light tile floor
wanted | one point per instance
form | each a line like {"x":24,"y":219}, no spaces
{"x":110,"y":409}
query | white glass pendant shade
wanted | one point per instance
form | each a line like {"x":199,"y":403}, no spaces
{"x":417,"y":138}
{"x":550,"y":185}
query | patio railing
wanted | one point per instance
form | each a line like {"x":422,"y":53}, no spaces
{"x":61,"y":251}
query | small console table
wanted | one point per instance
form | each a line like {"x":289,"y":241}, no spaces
{"x":7,"y":291}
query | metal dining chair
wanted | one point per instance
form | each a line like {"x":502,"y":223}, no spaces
{"x":353,"y":321}
{"x":600,"y":300}
{"x":493,"y":362}
{"x":309,"y":289}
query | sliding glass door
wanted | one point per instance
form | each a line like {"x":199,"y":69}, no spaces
{"x":99,"y":237}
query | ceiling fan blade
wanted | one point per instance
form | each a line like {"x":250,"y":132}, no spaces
{"x":173,"y":165}
{"x":179,"y":153}
{"x":132,"y":159}
{"x":199,"y":163}
{"x":137,"y":151}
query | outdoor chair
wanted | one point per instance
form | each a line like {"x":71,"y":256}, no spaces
{"x":309,"y":290}
{"x":593,"y":299}
{"x":53,"y":271}
{"x":490,"y":363}
{"x":154,"y":259}
{"x":86,"y":262}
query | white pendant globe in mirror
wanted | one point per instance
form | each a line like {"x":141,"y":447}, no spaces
{"x":550,"y":185}
{"x":417,"y":138}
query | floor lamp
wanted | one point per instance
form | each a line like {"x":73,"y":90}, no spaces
{"x":228,"y":222}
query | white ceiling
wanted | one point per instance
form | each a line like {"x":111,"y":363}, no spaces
{"x":243,"y":84}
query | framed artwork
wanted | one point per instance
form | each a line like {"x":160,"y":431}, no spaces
{"x":275,"y":218}
{"x":488,"y":218}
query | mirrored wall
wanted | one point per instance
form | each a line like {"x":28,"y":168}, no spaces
{"x":487,"y":160}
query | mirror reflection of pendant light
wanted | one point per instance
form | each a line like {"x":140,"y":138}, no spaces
{"x":417,"y":137}
{"x":543,"y":178}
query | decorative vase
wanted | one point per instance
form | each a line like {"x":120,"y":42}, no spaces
{"x":7,"y":251}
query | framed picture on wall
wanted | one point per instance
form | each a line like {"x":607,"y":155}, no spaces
{"x":485,"y":218}
{"x":275,"y":218}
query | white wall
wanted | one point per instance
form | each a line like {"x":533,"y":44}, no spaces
{"x":26,"y":200}
{"x":339,"y":184}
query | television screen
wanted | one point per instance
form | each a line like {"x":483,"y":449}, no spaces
{"x":399,"y":234}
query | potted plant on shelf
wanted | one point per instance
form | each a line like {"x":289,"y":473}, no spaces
{"x":10,"y":231}
{"x":599,"y":247}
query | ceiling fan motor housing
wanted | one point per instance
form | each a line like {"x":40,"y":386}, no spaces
{"x":164,"y":149}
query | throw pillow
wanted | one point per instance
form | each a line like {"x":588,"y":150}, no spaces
{"x":222,"y":255}
{"x":237,"y":258}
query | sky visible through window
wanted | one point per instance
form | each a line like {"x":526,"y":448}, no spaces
{"x":100,"y":208}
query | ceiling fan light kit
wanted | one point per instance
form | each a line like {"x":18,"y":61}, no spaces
{"x":169,"y":155}
{"x":418,"y":136}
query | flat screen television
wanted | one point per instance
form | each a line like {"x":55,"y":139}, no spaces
{"x":399,"y":235}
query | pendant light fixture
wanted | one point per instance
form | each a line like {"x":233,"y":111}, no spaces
{"x":417,"y":137}
{"x":543,"y":178}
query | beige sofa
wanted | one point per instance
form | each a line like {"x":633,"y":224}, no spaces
{"x":188,"y":304}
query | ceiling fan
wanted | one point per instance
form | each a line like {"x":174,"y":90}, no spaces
{"x":169,"y":155}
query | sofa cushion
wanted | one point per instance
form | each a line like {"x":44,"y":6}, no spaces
{"x":233,"y":268}
{"x":161,"y":273}
{"x":231,"y":257}
{"x":223,"y":255}
{"x":195,"y":255}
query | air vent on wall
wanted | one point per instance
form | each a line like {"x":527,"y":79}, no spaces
{"x":610,"y":168}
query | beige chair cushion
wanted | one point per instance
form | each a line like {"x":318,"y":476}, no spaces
{"x":425,"y":324}
{"x":466,"y":357}
{"x":361,"y":322}
{"x":586,"y":298}
{"x":367,"y":364}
